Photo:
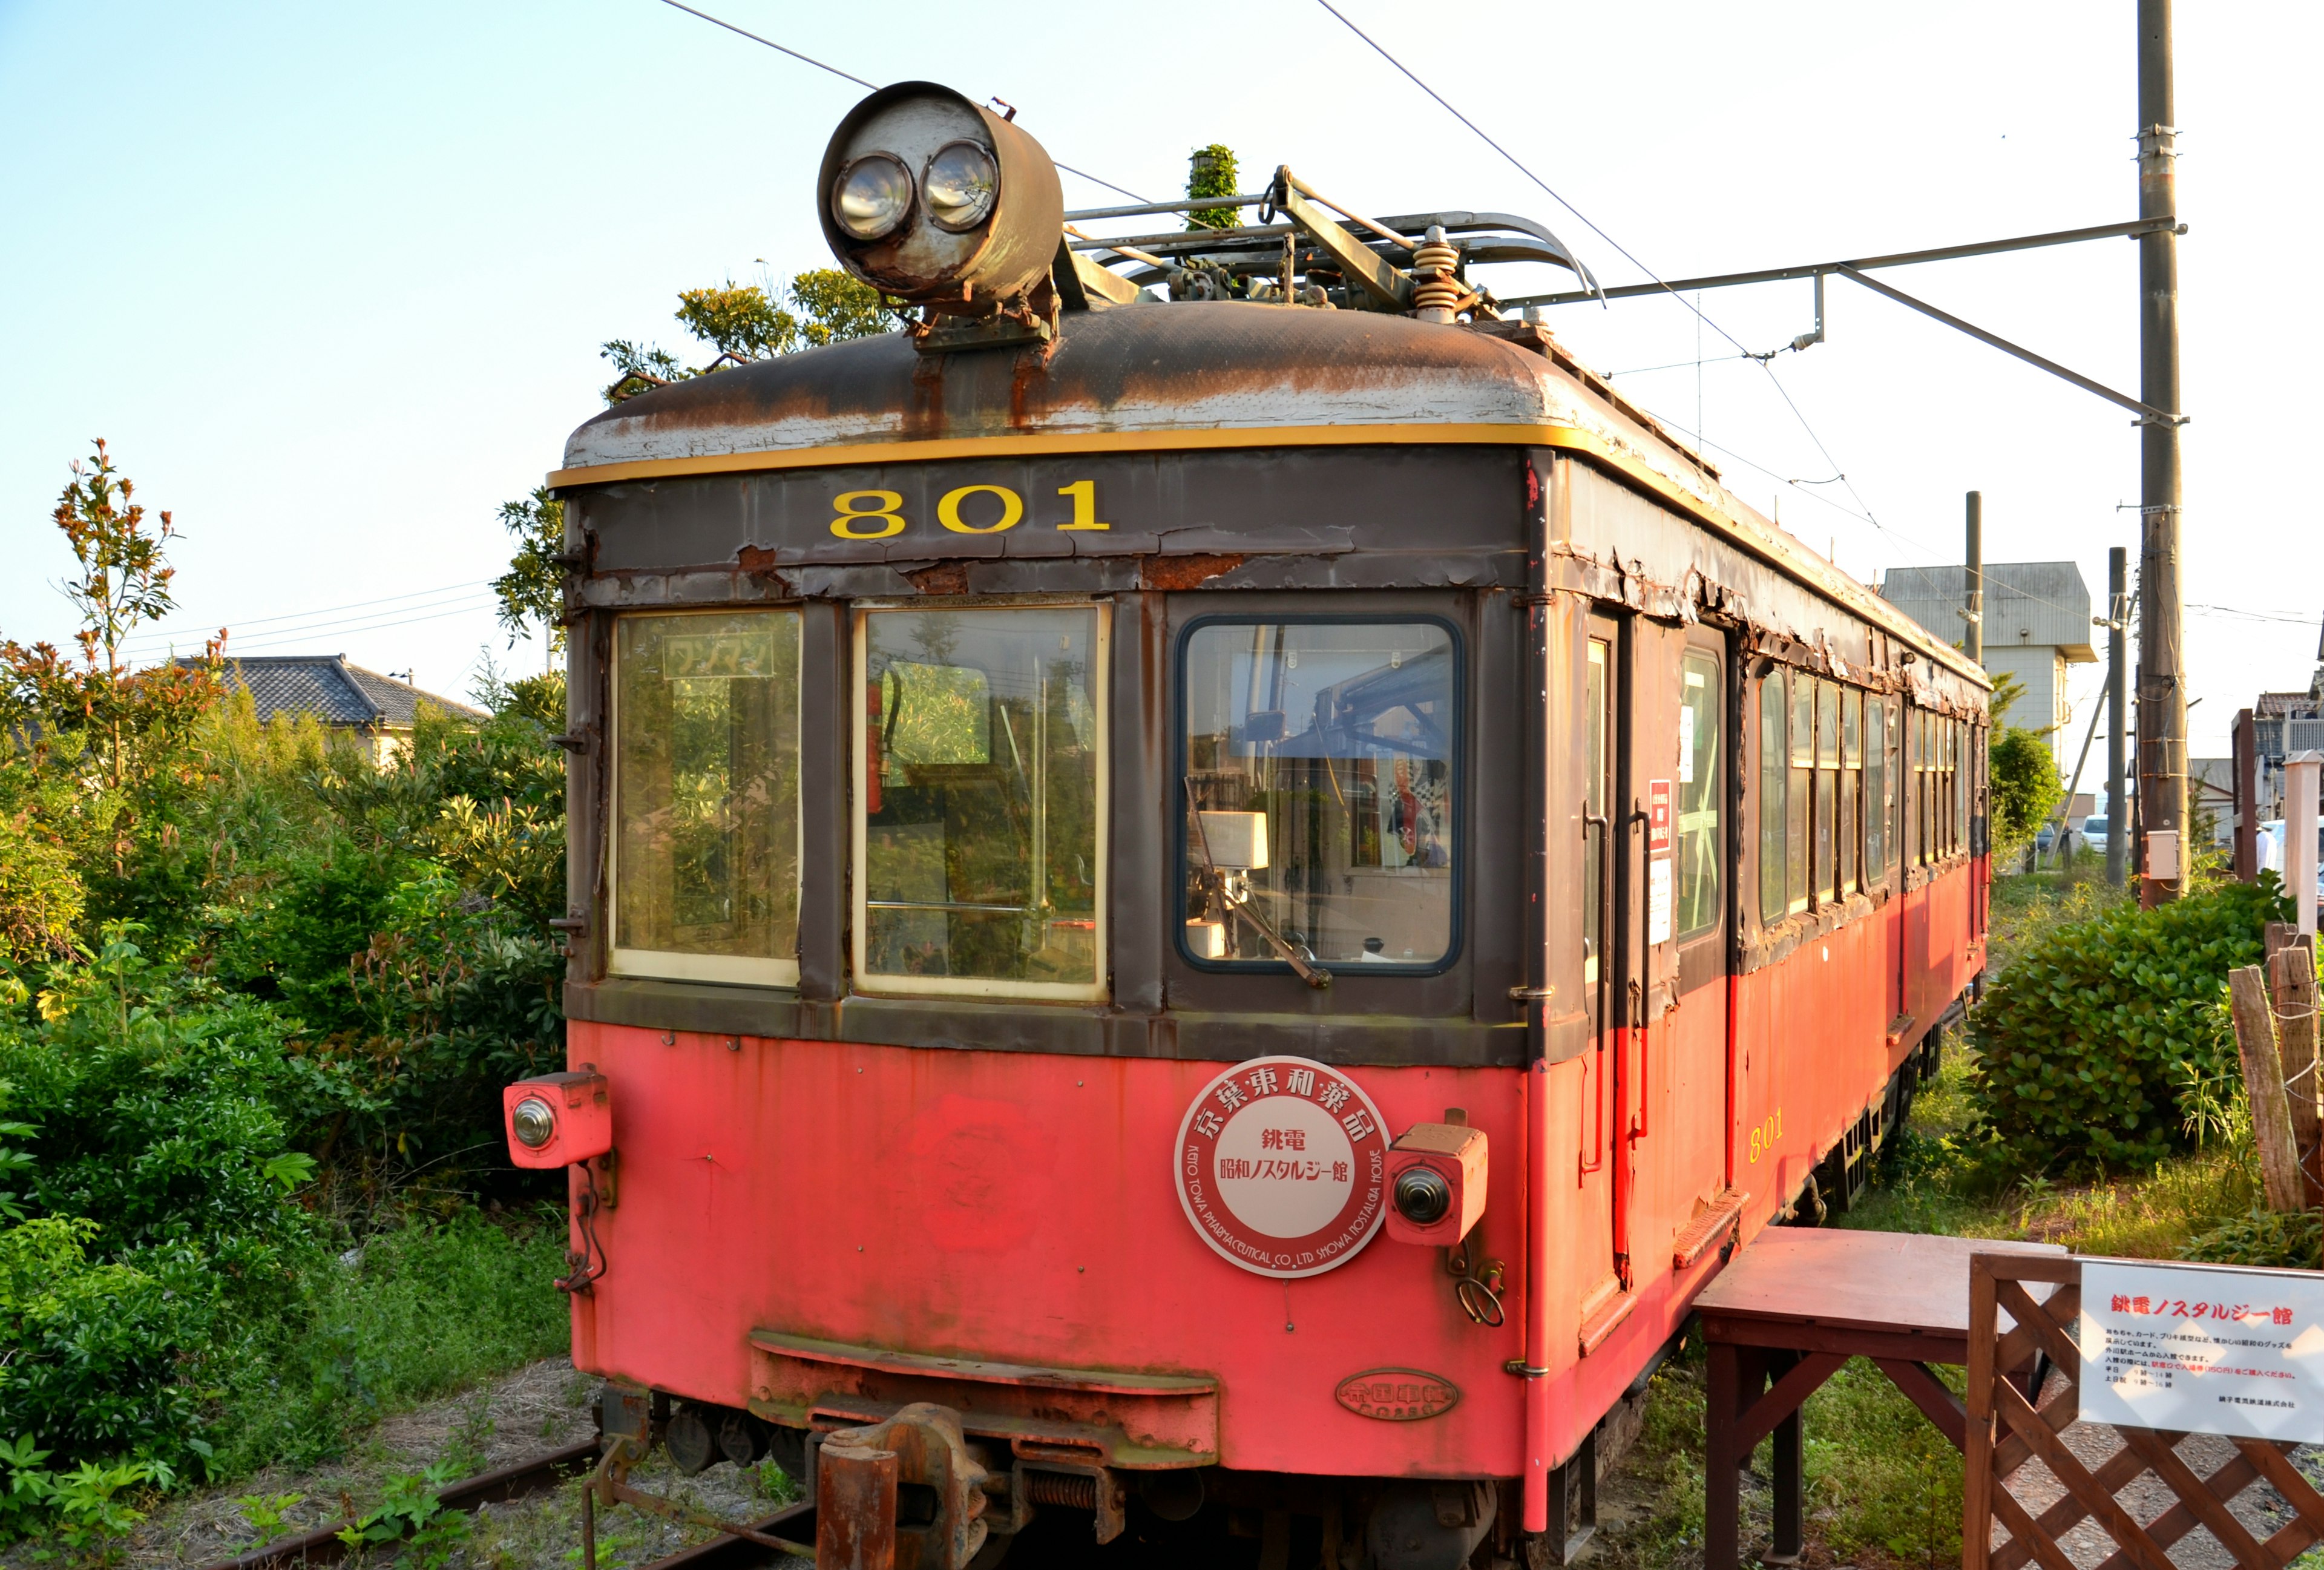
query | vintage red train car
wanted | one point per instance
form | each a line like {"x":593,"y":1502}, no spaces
{"x":1205,"y":918}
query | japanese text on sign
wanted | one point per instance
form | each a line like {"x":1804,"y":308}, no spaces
{"x":2203,"y":1349}
{"x":1280,"y":1167}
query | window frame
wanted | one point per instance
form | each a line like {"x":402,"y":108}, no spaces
{"x":1774,"y":797}
{"x":881,"y":984}
{"x":1461,"y":793}
{"x":1719,"y":788}
{"x":678,"y":965}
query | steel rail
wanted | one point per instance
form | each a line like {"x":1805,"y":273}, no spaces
{"x":518,"y":1480}
{"x":729,"y":1553}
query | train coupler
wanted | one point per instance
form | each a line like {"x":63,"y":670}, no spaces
{"x":906,"y":1493}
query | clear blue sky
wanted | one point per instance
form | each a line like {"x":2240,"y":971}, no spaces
{"x":331,"y":279}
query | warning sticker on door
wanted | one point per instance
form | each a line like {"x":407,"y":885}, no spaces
{"x":1658,"y":866}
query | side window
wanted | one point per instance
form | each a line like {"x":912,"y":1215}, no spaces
{"x":979,"y":807}
{"x":1962,"y":754}
{"x":1321,"y":798}
{"x":1697,"y":793}
{"x":1801,"y":792}
{"x":1774,"y":766}
{"x":1851,"y":789}
{"x":1876,"y":791}
{"x":1600,"y":790}
{"x":1827,"y":835}
{"x":705,"y":848}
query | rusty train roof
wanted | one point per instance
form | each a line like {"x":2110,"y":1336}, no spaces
{"x":1187,"y":376}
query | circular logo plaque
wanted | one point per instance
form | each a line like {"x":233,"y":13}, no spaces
{"x":1280,"y":1164}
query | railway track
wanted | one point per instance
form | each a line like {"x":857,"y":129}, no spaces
{"x":524,"y":1479}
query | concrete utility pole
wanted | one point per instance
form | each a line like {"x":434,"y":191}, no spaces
{"x":1974,"y":580}
{"x":2162,"y":681}
{"x":2117,"y":684}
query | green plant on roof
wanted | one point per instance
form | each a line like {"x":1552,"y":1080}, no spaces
{"x":1210,"y":172}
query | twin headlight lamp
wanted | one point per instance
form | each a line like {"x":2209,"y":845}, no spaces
{"x":936,"y":200}
{"x":959,"y":184}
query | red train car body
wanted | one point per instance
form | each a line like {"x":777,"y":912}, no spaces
{"x":1049,"y":822}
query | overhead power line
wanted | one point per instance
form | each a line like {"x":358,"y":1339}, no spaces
{"x":170,"y":636}
{"x":859,"y":81}
{"x":1838,"y":475}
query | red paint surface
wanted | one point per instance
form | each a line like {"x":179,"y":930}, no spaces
{"x":1019,"y":1207}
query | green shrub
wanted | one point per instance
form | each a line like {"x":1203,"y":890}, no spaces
{"x":2106,"y":1041}
{"x":406,"y":1315}
{"x":103,"y":1358}
{"x":2263,"y":1237}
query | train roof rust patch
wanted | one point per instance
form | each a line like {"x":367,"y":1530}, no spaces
{"x":1189,"y":376}
{"x":1135,"y":368}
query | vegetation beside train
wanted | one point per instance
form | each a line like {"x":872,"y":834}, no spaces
{"x":257,"y":995}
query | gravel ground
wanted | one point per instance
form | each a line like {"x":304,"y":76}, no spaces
{"x":538,"y":1408}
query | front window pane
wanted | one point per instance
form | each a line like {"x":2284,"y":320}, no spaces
{"x":706,"y":783}
{"x":1321,"y":792}
{"x":980,"y":862}
{"x":1698,"y":794}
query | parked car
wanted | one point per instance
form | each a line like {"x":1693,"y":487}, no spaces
{"x":2094,"y":833}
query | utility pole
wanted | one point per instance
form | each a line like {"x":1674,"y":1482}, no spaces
{"x":1973,"y":581}
{"x":2161,"y":681}
{"x":2117,"y":683}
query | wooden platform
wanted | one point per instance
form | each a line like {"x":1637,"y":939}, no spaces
{"x":1790,"y":1309}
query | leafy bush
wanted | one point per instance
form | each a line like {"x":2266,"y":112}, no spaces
{"x":2263,"y":1237}
{"x":406,"y":1315}
{"x":2101,"y":1044}
{"x":105,"y":1357}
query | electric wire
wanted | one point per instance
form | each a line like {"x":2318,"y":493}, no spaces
{"x":859,"y":81}
{"x":2293,"y":617}
{"x":319,"y":625}
{"x":1839,"y":473}
{"x":472,"y":585}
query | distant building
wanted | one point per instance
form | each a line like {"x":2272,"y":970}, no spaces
{"x":2283,"y":724}
{"x":2036,"y":620}
{"x":377,"y":708}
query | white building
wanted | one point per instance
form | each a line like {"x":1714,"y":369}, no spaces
{"x":2037,"y":623}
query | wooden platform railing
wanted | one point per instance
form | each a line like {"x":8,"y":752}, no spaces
{"x":2005,"y":1431}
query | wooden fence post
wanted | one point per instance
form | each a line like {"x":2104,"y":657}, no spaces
{"x":2279,"y":1151}
{"x":2291,"y":988}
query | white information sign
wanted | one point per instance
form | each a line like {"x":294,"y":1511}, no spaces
{"x":1659,"y":901}
{"x":2203,"y":1349}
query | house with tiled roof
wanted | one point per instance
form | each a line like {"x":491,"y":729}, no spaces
{"x":378,"y":708}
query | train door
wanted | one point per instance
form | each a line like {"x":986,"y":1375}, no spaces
{"x":1671,"y":902}
{"x":1603,"y":1300}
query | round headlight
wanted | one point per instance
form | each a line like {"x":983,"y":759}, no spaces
{"x":535,"y":1122}
{"x":871,"y":196}
{"x":961,"y":185}
{"x":1422,"y":1196}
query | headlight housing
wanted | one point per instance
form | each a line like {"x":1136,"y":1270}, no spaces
{"x":930,"y":198}
{"x":871,"y":196}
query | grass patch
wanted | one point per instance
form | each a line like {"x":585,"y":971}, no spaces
{"x":412,"y":1314}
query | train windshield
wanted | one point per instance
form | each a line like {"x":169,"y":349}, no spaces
{"x":705,"y":794}
{"x":1321,"y":792}
{"x":980,"y":810}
